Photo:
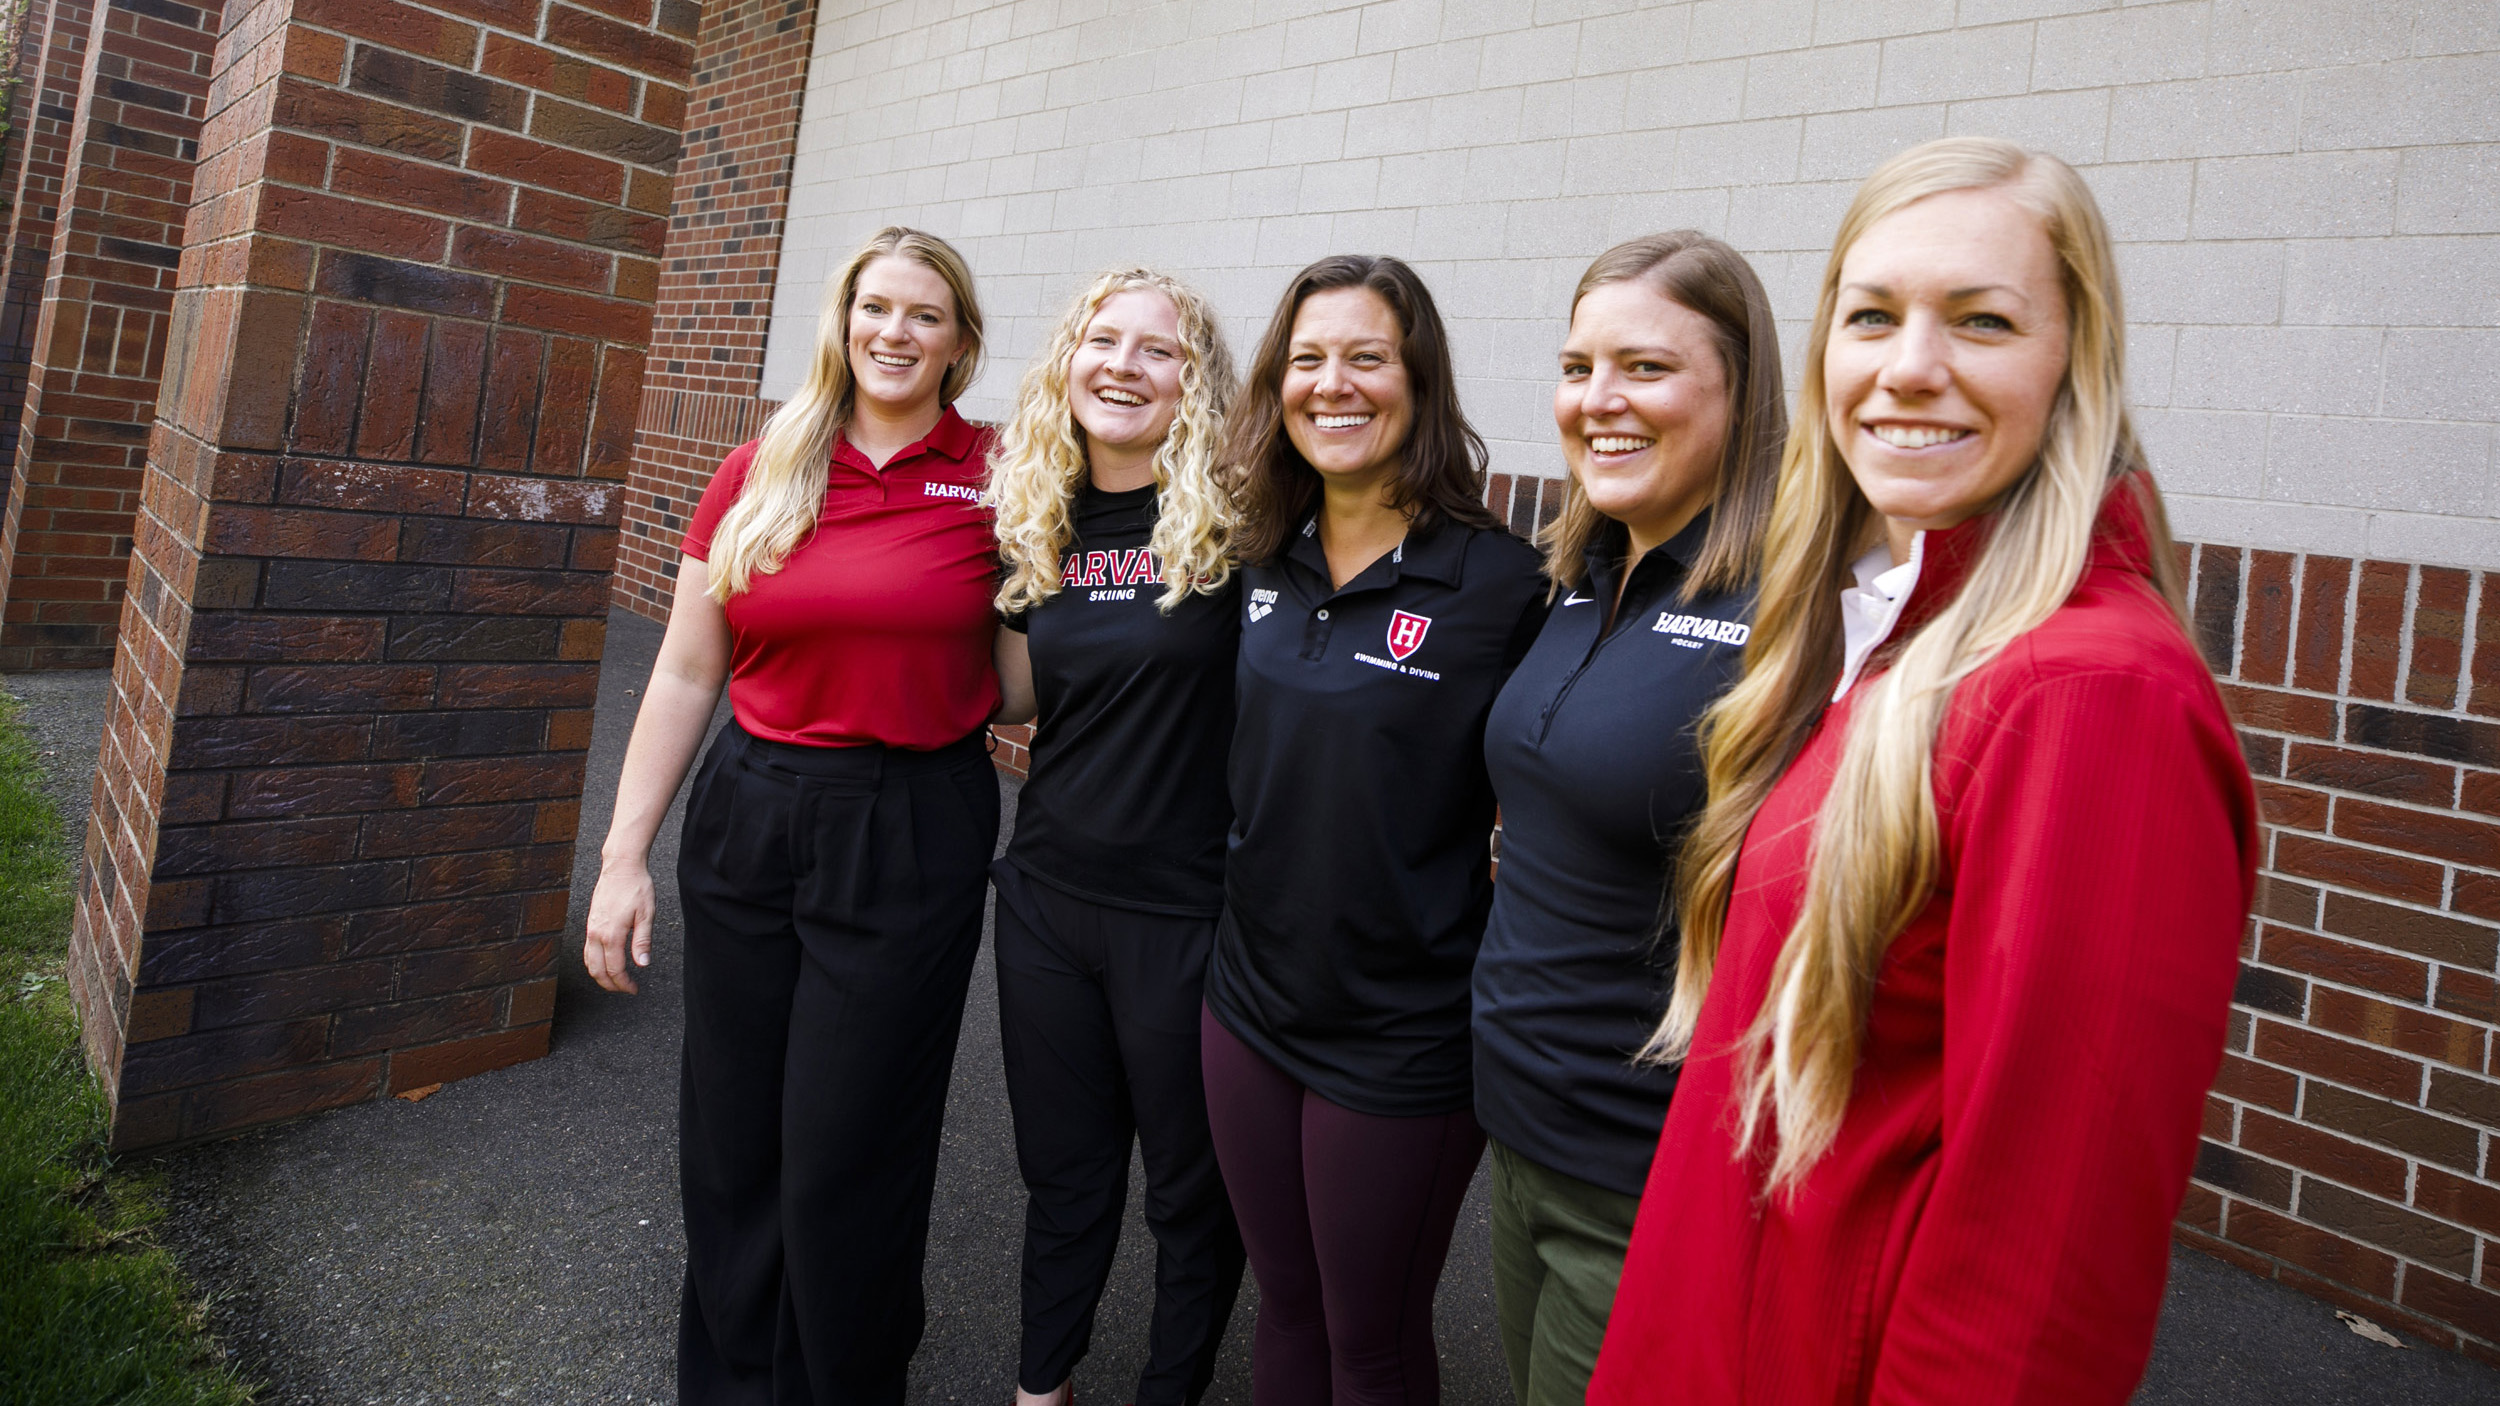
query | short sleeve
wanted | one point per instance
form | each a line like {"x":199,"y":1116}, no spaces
{"x":722,"y":491}
{"x":1017,"y":620}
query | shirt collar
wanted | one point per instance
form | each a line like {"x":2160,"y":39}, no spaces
{"x":2121,"y":542}
{"x":952,"y":439}
{"x":1437,"y":553}
{"x":1612,"y":542}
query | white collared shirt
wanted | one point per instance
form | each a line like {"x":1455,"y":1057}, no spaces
{"x":1869,"y":609}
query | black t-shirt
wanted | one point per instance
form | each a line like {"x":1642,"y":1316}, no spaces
{"x":1125,"y":803}
{"x":1356,"y":886}
{"x":1591,"y":749}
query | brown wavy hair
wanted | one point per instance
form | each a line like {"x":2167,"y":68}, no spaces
{"x":1441,"y":467}
{"x":1711,"y":278}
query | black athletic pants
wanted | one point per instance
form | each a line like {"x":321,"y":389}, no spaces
{"x":833,"y":909}
{"x":1098,"y":1016}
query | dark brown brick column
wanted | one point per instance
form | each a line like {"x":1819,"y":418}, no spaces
{"x":52,"y":62}
{"x":342,"y":772}
{"x":99,"y":343}
{"x":716,"y":286}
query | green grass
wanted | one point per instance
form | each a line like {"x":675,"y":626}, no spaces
{"x":92,"y":1310}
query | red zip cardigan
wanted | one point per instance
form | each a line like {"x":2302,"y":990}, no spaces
{"x":1992,"y":1224}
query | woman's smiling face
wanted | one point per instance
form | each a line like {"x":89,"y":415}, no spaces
{"x":903,"y":334}
{"x":1642,"y":407}
{"x":1124,"y":380}
{"x":1946,"y":353}
{"x":1347,"y":402}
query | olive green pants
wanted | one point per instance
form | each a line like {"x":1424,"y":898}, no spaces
{"x":1558,"y":1246}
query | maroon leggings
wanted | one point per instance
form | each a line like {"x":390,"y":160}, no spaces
{"x":1347,"y":1217}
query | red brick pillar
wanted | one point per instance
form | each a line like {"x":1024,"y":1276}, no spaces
{"x":716,"y":290}
{"x":99,"y":343}
{"x":52,"y":60}
{"x":341,"y":777}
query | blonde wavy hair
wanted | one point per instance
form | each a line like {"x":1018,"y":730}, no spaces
{"x":784,"y":492}
{"x":1040,"y":458}
{"x":1874,"y":854}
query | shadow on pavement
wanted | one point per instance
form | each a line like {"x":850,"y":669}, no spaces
{"x":515,"y":1237}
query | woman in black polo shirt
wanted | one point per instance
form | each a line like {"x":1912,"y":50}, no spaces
{"x":1384,"y":608}
{"x":1671,"y":421}
{"x":1122,"y":609}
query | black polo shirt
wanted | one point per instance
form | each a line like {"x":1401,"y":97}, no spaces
{"x":1591,"y":750}
{"x":1124,"y":802}
{"x":1356,"y":886}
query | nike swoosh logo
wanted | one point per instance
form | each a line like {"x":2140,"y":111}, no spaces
{"x":1575,"y":598}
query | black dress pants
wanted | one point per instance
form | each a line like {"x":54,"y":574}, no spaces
{"x":1098,"y":1017}
{"x":833,"y":909}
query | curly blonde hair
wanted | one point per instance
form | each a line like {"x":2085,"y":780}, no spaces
{"x":1040,"y":458}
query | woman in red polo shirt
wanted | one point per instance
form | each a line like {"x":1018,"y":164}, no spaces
{"x":838,"y":575}
{"x":1966,"y":901}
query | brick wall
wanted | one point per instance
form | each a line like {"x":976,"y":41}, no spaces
{"x":99,"y":342}
{"x":50,"y":50}
{"x":336,"y":805}
{"x":2352,"y":1137}
{"x":51,"y":64}
{"x":716,"y":283}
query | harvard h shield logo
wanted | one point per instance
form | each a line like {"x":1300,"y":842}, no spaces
{"x":1406,"y":633}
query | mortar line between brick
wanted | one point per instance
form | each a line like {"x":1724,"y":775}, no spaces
{"x":2404,"y":633}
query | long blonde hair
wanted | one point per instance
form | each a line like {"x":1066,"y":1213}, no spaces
{"x":1710,"y":278}
{"x":1875,"y":846}
{"x":1040,"y":459}
{"x":784,"y":492}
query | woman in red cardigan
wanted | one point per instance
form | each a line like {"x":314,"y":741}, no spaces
{"x":1962,"y":918}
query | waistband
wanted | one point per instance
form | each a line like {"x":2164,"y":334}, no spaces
{"x":867,"y":762}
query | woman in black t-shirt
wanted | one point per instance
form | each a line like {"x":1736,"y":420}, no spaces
{"x":1385,"y":606}
{"x":1123,"y":618}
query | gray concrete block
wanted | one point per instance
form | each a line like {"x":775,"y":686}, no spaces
{"x":2235,"y":282}
{"x":2444,"y":374}
{"x":2293,"y":370}
{"x":2241,"y":116}
{"x":2449,"y":190}
{"x":1963,"y":63}
{"x":2420,"y":282}
{"x":2301,"y":197}
{"x":2138,"y":44}
{"x":2413,"y":102}
{"x":1832,"y":78}
{"x":2383,"y":465}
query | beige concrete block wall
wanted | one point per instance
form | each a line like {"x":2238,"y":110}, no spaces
{"x":2307,"y":192}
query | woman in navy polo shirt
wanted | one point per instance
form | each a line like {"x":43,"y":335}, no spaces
{"x":1671,"y":421}
{"x":1384,"y":608}
{"x":1123,"y":615}
{"x":837,"y":574}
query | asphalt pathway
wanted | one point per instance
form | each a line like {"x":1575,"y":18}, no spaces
{"x":515,"y":1237}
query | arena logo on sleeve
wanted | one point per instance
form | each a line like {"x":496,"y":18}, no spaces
{"x":1694,"y":631}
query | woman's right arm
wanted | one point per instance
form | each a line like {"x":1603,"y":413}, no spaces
{"x":1013,"y":658}
{"x":676,"y":709}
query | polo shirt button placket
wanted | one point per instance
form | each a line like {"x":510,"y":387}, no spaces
{"x":1315,"y":635}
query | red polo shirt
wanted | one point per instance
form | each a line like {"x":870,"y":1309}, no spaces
{"x":878,"y":627}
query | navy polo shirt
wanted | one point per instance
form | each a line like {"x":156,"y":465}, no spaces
{"x":1355,"y":880}
{"x":1124,"y":804}
{"x":1591,"y":749}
